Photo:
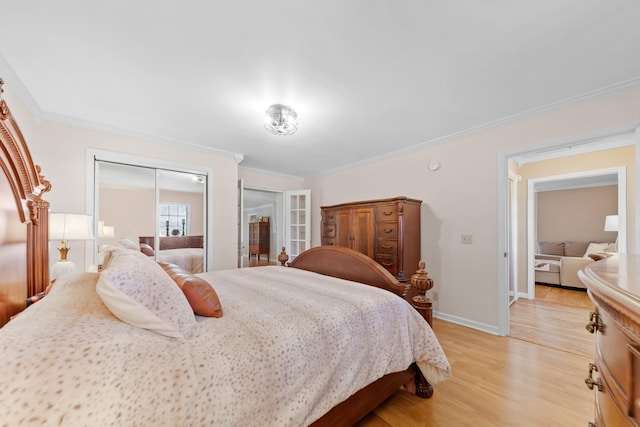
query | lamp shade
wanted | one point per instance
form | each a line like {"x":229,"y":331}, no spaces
{"x":611,"y":223}
{"x":68,"y":226}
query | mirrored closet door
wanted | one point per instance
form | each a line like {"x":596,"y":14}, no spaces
{"x":162,"y":212}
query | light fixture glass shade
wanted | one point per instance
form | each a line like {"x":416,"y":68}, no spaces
{"x":67,"y":226}
{"x":281,"y":120}
{"x":611,"y":223}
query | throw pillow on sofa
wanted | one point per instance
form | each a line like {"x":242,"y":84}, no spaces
{"x":596,"y":248}
{"x":551,"y":248}
{"x":575,"y":249}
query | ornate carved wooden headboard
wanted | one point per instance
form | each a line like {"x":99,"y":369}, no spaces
{"x":25,"y":185}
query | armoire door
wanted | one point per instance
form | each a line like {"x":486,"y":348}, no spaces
{"x":363,"y":231}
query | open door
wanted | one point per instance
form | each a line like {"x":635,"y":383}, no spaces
{"x":240,"y":226}
{"x":297,"y":222}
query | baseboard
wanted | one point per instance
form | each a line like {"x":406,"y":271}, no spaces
{"x":491,"y":329}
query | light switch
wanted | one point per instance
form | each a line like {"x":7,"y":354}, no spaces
{"x":467,"y":239}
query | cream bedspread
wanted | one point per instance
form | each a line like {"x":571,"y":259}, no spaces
{"x":291,"y":345}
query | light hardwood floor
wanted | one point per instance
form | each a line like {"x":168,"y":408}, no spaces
{"x":496,"y":382}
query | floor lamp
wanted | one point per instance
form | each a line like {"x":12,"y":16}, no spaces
{"x":65,"y":227}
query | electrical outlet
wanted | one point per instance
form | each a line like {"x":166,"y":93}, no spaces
{"x":466,"y":239}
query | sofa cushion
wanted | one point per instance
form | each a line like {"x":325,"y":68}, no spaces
{"x":552,"y":248}
{"x":552,"y":266}
{"x":576,"y":249}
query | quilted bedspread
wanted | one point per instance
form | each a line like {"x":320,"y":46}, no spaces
{"x":291,"y":345}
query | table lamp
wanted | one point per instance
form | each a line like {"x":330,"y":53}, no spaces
{"x":611,"y":224}
{"x":65,"y":227}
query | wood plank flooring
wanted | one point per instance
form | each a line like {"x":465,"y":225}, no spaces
{"x":556,"y":318}
{"x":497,"y":382}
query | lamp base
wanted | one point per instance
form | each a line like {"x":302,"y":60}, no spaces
{"x":62,"y":267}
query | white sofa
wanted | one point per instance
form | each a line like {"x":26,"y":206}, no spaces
{"x":558,"y":263}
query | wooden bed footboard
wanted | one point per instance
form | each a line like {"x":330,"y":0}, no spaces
{"x":348,"y":264}
{"x":345,"y":263}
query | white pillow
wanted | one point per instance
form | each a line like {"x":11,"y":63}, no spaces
{"x":596,"y":248}
{"x":128,"y":244}
{"x":139,"y":292}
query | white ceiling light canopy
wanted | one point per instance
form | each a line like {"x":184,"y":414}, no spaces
{"x":281,"y":120}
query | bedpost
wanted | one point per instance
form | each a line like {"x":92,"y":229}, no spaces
{"x":422,"y":282}
{"x":283,"y":257}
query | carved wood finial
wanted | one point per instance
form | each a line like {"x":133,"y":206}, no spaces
{"x":422,"y":282}
{"x":283,"y":257}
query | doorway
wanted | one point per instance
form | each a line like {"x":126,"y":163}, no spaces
{"x":524,"y":240}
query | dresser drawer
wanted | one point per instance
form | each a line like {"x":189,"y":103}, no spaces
{"x":387,"y":213}
{"x":614,"y":358}
{"x":608,"y":413}
{"x":328,"y":230}
{"x":387,"y":230}
{"x":387,"y":247}
{"x":391,"y":264}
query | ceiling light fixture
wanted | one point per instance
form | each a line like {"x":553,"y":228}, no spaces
{"x":281,"y":120}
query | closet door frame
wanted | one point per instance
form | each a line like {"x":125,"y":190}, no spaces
{"x":117,"y":157}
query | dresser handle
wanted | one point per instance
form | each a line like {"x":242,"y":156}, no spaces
{"x":386,"y":265}
{"x":388,"y":230}
{"x":386,"y":246}
{"x":387,"y":213}
{"x":330,"y":230}
{"x":595,"y":324}
{"x":590,"y":381}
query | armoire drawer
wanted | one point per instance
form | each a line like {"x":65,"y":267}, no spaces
{"x":387,"y":213}
{"x":387,"y":230}
{"x":391,"y":264}
{"x":329,"y":216}
{"x":328,"y":230}
{"x":387,"y":247}
{"x":331,"y":241}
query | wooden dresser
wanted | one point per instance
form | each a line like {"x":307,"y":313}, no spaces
{"x":386,"y":230}
{"x":614,"y":287}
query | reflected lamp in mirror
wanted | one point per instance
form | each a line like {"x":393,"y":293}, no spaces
{"x":65,"y":227}
{"x":106,"y":231}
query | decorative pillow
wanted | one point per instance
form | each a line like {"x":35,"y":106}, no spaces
{"x":596,"y":248}
{"x":551,"y":248}
{"x":146,"y":249}
{"x":576,"y":249}
{"x":200,"y":294}
{"x":138,"y":291}
{"x":128,"y":244}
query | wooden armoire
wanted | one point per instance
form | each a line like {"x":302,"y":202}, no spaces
{"x":386,"y":230}
{"x":259,"y":241}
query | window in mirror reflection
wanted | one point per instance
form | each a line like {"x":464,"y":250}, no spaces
{"x":174,"y":219}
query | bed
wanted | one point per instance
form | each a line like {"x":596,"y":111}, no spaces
{"x":184,"y":251}
{"x":124,"y":347}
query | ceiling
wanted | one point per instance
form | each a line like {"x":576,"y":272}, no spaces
{"x":366,"y":77}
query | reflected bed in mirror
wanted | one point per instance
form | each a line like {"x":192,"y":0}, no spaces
{"x":187,"y":252}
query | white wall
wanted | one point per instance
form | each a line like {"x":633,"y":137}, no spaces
{"x":61,"y":150}
{"x":462,"y":198}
